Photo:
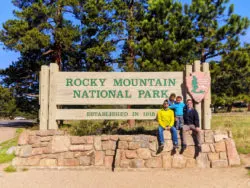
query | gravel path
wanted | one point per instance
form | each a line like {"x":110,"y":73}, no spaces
{"x":7,"y":133}
{"x":184,"y":178}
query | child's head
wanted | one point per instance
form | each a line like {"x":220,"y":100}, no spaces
{"x":172,"y":97}
{"x":178,"y":99}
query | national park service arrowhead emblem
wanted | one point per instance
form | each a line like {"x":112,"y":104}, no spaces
{"x":198,"y":84}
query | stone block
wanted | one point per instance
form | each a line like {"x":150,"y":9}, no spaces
{"x":130,"y":154}
{"x":219,"y":136}
{"x":98,"y":143}
{"x":191,"y":163}
{"x":212,"y":148}
{"x":144,"y":144}
{"x":220,"y":146}
{"x":17,"y":150}
{"x":167,"y":135}
{"x":18,"y":161}
{"x":23,"y":138}
{"x":85,"y":160}
{"x":202,"y":161}
{"x":223,"y":155}
{"x":166,"y":161}
{"x":137,"y":163}
{"x":123,"y":145}
{"x":179,"y":161}
{"x":124,"y":163}
{"x":82,"y":140}
{"x":209,"y":136}
{"x":126,"y":138}
{"x":213,"y":156}
{"x":114,"y":137}
{"x":46,"y":139}
{"x":168,"y":146}
{"x":219,"y":164}
{"x":118,"y":157}
{"x":189,"y":152}
{"x":80,"y":147}
{"x":108,"y":145}
{"x":48,"y":162}
{"x":37,"y":151}
{"x":155,"y":162}
{"x":143,"y":153}
{"x":133,"y":145}
{"x":105,"y":137}
{"x":71,"y":162}
{"x":153,"y":146}
{"x":205,"y":148}
{"x":232,"y":154}
{"x":108,"y":161}
{"x":68,"y":155}
{"x":99,"y":158}
{"x":34,"y":140}
{"x":60,"y":144}
{"x":110,"y":152}
{"x":25,"y":151}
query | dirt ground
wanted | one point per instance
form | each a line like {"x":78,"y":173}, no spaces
{"x":185,"y":178}
{"x":7,"y":133}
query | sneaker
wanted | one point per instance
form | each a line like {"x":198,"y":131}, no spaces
{"x":160,"y":149}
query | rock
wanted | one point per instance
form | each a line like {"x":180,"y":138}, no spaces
{"x":17,"y":150}
{"x":232,"y":154}
{"x":11,"y":150}
{"x":123,"y":145}
{"x":45,"y":139}
{"x":25,"y":151}
{"x":68,"y":155}
{"x":220,"y":146}
{"x":98,"y":143}
{"x":131,"y":154}
{"x":220,"y":137}
{"x":223,"y":155}
{"x":202,"y":161}
{"x":205,"y":148}
{"x":209,"y":136}
{"x":126,"y":138}
{"x":23,"y":138}
{"x":71,"y":162}
{"x":108,"y":161}
{"x":190,"y":140}
{"x":18,"y":161}
{"x":167,"y":135}
{"x":60,"y":144}
{"x":80,"y":147}
{"x":34,"y":140}
{"x":191,"y":163}
{"x":189,"y":152}
{"x":212,"y":148}
{"x":110,"y":152}
{"x":219,"y":164}
{"x":144,"y":144}
{"x":114,"y":137}
{"x":143,"y":153}
{"x":46,"y":132}
{"x":213,"y":156}
{"x":136,"y":163}
{"x":48,"y":162}
{"x":37,"y":151}
{"x":133,"y":145}
{"x":168,"y":146}
{"x":118,"y":158}
{"x":152,"y":146}
{"x":105,"y":137}
{"x":155,"y":162}
{"x":82,"y":140}
{"x":108,"y":145}
{"x":99,"y":158}
{"x":178,"y":161}
{"x":32,"y":161}
{"x":85,"y":160}
{"x":166,"y":161}
{"x":124,"y":163}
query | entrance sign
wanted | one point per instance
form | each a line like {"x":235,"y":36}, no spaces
{"x":118,"y":88}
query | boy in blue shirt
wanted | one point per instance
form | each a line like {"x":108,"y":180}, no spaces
{"x":178,"y":107}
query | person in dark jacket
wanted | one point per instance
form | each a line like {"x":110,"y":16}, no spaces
{"x":191,"y":122}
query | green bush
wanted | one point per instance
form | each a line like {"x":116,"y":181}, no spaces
{"x":10,"y":169}
{"x":86,"y":128}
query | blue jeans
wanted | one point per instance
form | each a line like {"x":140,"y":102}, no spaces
{"x":173,"y":133}
{"x":179,"y":122}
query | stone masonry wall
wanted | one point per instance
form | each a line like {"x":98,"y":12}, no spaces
{"x":53,"y":148}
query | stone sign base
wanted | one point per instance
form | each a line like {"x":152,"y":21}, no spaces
{"x":55,"y":149}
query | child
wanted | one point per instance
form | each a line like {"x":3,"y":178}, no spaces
{"x":171,"y":99}
{"x":178,"y":107}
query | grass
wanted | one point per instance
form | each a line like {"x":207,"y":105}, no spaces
{"x":10,"y":168}
{"x":4,"y":157}
{"x":240,"y":127}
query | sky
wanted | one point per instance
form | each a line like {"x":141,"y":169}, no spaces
{"x":241,"y":7}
